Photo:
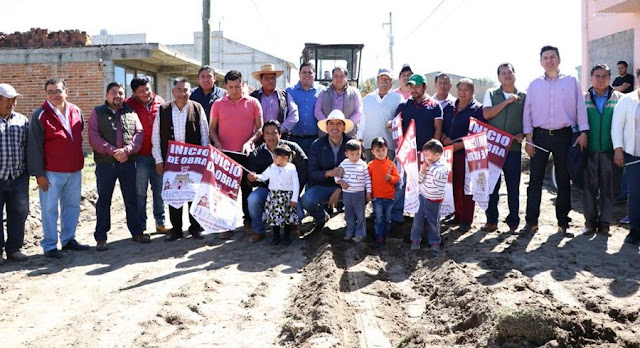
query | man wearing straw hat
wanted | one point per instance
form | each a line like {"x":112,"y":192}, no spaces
{"x":236,"y":125}
{"x":276,"y":103}
{"x":325,"y":155}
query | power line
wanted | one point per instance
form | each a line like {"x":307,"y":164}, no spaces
{"x":423,"y":21}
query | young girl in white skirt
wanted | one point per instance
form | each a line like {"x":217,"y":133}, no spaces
{"x":284,"y":188}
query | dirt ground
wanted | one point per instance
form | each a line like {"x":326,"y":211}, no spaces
{"x":483,"y":289}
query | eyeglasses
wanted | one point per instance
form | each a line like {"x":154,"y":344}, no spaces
{"x":54,"y":92}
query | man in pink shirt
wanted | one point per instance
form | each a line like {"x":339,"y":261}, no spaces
{"x":235,"y":127}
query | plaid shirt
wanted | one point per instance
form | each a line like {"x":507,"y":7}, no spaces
{"x":13,"y":145}
{"x":179,"y":119}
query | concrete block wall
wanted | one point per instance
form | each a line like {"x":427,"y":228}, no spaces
{"x":85,"y":81}
{"x":610,"y":49}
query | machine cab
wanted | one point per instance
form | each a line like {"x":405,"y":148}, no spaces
{"x":327,"y":57}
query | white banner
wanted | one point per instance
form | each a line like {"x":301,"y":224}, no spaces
{"x":407,"y":156}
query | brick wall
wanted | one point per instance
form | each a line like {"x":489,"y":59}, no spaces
{"x":85,"y":81}
{"x":40,"y":38}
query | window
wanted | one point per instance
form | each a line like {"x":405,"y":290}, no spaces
{"x":124,"y":75}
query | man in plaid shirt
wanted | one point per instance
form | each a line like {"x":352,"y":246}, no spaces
{"x":14,"y":181}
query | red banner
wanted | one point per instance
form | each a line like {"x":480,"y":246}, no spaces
{"x":407,"y":156}
{"x":183,"y":171}
{"x":498,"y":141}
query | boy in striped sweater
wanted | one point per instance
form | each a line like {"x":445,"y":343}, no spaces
{"x":432,"y":179}
{"x":355,"y":182}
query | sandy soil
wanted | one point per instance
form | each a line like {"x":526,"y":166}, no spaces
{"x":483,"y":289}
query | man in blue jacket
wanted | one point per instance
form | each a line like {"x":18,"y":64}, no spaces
{"x":325,"y":155}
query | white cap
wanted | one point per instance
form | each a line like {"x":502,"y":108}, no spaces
{"x":7,"y":91}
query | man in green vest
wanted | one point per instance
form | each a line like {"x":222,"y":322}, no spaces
{"x":600,"y":100}
{"x":115,"y":135}
{"x":503,"y":107}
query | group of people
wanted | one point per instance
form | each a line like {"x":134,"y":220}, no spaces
{"x":306,"y":148}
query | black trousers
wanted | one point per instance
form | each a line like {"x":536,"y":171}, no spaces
{"x":175,"y":216}
{"x":245,"y":187}
{"x":557,"y":142}
{"x":598,"y":189}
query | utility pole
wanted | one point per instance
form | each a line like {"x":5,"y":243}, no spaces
{"x":206,"y":32}
{"x":390,"y":24}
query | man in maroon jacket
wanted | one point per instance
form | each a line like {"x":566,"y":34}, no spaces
{"x":55,"y":158}
{"x":146,"y":104}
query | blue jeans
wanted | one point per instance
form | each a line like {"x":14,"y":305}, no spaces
{"x":15,"y":194}
{"x":633,"y":201}
{"x":256,"y":202}
{"x":354,"y":204}
{"x":64,"y":188}
{"x":397,"y":211}
{"x":428,"y":212}
{"x":624,"y":184}
{"x":511,"y":168}
{"x":315,"y":198}
{"x":382,"y":216}
{"x":106,"y":176}
{"x":146,"y":175}
{"x":304,"y":142}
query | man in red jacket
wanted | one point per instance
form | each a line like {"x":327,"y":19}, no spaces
{"x":146,"y":103}
{"x":55,"y":158}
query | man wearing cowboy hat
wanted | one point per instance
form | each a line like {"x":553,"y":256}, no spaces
{"x":276,"y":103}
{"x":14,"y":180}
{"x":325,"y":155}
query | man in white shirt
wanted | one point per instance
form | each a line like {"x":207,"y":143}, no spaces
{"x":184,"y":121}
{"x":378,"y":108}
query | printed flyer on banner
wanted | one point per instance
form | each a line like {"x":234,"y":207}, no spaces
{"x":183,"y":171}
{"x":396,"y":131}
{"x":476,"y":165}
{"x":448,"y":207}
{"x":498,"y":145}
{"x":215,"y":202}
{"x":407,"y":156}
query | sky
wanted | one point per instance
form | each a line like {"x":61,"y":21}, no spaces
{"x":463,"y":37}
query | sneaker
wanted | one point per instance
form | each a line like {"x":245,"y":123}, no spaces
{"x":464,"y":227}
{"x":415,"y":245}
{"x":588,"y":230}
{"x":75,"y":246}
{"x":53,"y":254}
{"x":358,"y":239}
{"x":625,"y":220}
{"x":17,"y":256}
{"x":348,"y":237}
{"x":489,"y":227}
{"x":435,"y":247}
{"x":528,"y":228}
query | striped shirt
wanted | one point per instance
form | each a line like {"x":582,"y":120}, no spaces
{"x":356,"y":175}
{"x":13,"y":145}
{"x":433,"y":182}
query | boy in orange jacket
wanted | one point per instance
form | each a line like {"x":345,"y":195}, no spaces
{"x":384,"y":176}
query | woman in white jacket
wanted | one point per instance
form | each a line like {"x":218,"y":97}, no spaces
{"x":625,"y":133}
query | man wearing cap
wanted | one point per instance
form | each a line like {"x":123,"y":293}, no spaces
{"x":378,"y":109}
{"x":55,"y":158}
{"x":553,"y":108}
{"x":146,"y":104}
{"x":403,"y":89}
{"x":276,"y":103}
{"x":115,"y":135}
{"x":236,"y":125}
{"x":427,"y":115}
{"x":443,"y":87}
{"x":14,"y":180}
{"x":341,"y":96}
{"x":503,"y":107}
{"x":325,"y":155}
{"x":206,"y":93}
